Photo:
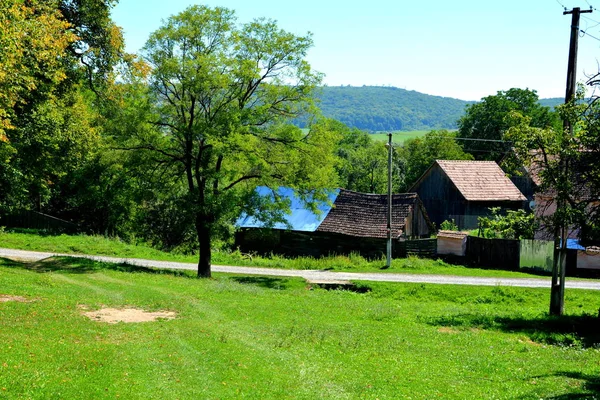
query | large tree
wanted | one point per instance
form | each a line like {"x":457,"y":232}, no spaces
{"x":485,"y":123}
{"x":57,"y":56}
{"x":221,"y":94}
{"x":565,"y":163}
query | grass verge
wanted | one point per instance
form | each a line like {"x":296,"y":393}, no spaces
{"x":99,"y":245}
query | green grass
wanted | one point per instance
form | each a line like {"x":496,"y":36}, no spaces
{"x":99,"y":245}
{"x":271,"y":338}
{"x":399,"y":136}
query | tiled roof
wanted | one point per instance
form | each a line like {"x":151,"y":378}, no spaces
{"x":365,"y":215}
{"x":452,"y":234}
{"x":481,"y":180}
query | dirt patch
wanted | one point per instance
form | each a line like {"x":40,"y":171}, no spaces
{"x":129,"y":315}
{"x":7,"y":297}
{"x":445,"y":329}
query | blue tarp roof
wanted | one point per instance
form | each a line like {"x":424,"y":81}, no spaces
{"x":300,"y":217}
{"x":574,"y":244}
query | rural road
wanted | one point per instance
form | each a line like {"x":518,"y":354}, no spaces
{"x":317,"y":275}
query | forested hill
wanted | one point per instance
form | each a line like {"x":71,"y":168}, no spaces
{"x":378,"y":108}
{"x":382,"y":108}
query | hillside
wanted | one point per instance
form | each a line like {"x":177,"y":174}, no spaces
{"x":379,"y":108}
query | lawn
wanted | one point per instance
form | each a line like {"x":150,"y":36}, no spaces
{"x":99,"y":245}
{"x":272,"y":338}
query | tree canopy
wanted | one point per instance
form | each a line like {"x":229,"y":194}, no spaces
{"x":220,"y":95}
{"x":47,"y":125}
{"x":417,"y":155}
{"x":486,"y":122}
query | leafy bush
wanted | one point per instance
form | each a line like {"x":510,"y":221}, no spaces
{"x":449,"y":225}
{"x":514,"y":225}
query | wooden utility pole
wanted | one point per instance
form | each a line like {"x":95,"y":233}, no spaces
{"x":389,"y":205}
{"x":557,"y":291}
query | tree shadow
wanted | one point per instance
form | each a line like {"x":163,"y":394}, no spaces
{"x":76,"y":265}
{"x":568,"y":330}
{"x":589,"y":390}
{"x":264,"y":281}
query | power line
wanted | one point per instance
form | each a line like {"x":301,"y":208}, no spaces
{"x":585,"y":33}
{"x":561,"y":4}
{"x":592,"y":20}
{"x":591,"y":7}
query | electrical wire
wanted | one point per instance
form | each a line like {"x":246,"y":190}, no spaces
{"x":585,"y":33}
{"x":592,"y":20}
{"x":591,"y":6}
{"x":562,"y":5}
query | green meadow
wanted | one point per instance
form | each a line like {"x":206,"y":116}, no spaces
{"x":273,"y":338}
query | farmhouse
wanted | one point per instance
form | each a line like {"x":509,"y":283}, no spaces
{"x":464,"y":190}
{"x":354,"y":222}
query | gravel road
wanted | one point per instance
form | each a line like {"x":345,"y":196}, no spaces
{"x":317,"y":275}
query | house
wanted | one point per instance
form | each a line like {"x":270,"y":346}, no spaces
{"x":464,"y":190}
{"x":353,"y":223}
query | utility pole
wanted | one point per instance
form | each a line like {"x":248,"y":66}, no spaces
{"x":557,"y":291}
{"x":389,"y":205}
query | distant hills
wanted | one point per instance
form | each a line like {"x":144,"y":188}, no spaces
{"x":383,"y":108}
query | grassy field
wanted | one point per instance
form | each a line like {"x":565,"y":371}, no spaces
{"x":99,"y":245}
{"x":271,"y":338}
{"x":399,"y":136}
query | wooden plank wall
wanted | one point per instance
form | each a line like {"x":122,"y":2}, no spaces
{"x":493,"y":253}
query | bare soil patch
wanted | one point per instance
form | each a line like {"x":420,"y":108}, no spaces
{"x":128,"y":315}
{"x":8,"y":297}
{"x":445,"y":329}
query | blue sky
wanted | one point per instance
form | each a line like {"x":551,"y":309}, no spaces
{"x":465,"y":49}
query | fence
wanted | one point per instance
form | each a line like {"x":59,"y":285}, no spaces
{"x":417,"y":247}
{"x":35,"y":220}
{"x":537,"y":254}
{"x":493,"y":253}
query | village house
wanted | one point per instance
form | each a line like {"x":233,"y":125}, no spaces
{"x":464,"y":190}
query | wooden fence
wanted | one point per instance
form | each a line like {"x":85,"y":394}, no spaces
{"x":318,"y":244}
{"x":35,"y":220}
{"x":416,"y":247}
{"x":493,"y":253}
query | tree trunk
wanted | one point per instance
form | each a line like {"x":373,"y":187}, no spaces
{"x":204,"y":236}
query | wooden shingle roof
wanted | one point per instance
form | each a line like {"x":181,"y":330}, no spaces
{"x":480,"y":180}
{"x":365,"y":215}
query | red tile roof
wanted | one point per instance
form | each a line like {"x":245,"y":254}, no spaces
{"x":365,"y":215}
{"x":481,"y":180}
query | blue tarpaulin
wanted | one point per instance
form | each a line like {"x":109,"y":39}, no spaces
{"x":300,"y":218}
{"x":574,"y":244}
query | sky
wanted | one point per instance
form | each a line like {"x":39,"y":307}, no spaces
{"x":465,"y":49}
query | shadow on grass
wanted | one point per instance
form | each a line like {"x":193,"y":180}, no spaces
{"x":264,"y":281}
{"x":569,"y":330}
{"x":75,"y":265}
{"x":590,"y":388}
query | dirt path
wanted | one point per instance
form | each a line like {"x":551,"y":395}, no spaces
{"x":316,"y":275}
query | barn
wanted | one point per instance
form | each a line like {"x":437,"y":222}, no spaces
{"x":353,"y":223}
{"x":462,"y":191}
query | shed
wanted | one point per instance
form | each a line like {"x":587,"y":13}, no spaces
{"x":354,"y":222}
{"x":365,"y":215}
{"x":462,"y":191}
{"x":452,"y":243}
